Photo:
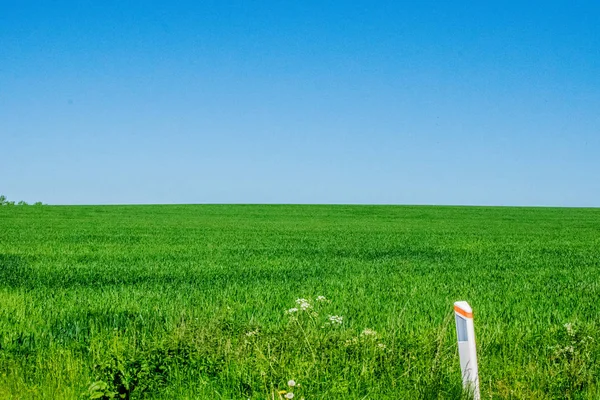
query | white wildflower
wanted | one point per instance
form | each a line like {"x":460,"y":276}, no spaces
{"x":321,"y":298}
{"x":335,"y":319}
{"x":292,"y":310}
{"x":368,"y":332}
{"x":381,"y":346}
{"x":291,"y":383}
{"x":304,"y":304}
{"x":289,"y":395}
{"x":252,"y":333}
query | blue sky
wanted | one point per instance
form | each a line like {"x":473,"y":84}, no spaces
{"x":105,"y":102}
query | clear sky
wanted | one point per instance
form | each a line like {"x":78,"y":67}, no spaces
{"x":387,"y":102}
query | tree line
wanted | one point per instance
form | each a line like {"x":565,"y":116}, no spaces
{"x":5,"y":202}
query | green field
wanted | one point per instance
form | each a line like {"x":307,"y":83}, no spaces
{"x":190,"y":301}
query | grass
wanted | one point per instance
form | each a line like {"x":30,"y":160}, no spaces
{"x":190,"y":301}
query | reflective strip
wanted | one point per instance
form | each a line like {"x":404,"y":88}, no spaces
{"x":462,"y":312}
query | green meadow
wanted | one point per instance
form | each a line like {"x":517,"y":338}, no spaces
{"x":222,"y":301}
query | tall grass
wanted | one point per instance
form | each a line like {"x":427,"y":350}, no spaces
{"x":194,"y":301}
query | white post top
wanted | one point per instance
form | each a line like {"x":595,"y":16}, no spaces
{"x":464,"y":309}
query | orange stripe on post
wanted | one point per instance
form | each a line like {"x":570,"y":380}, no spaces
{"x":462,"y":312}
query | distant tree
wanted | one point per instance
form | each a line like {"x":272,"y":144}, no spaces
{"x":38,"y":203}
{"x":2,"y":200}
{"x":22,"y":203}
{"x":9,"y":203}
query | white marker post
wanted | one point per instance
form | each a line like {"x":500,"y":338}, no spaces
{"x":465,"y":332}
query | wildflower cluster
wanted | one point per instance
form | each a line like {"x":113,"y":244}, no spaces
{"x":304,"y":304}
{"x":252,"y":333}
{"x":573,"y":346}
{"x":367,"y":337}
{"x":368,"y":332}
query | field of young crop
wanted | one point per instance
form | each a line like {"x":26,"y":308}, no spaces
{"x":222,"y":301}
